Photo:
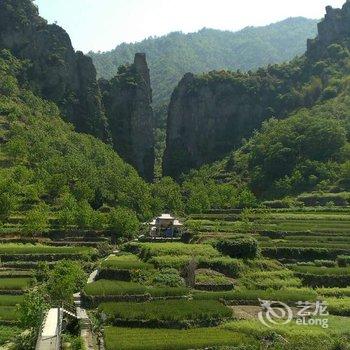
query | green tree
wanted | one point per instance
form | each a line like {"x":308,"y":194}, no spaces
{"x":32,"y":309}
{"x":123,"y":222}
{"x":167,"y":194}
{"x":37,"y":220}
{"x":66,"y":278}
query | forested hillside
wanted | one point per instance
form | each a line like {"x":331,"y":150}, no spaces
{"x":57,"y":73}
{"x":47,"y":167}
{"x":211,"y":114}
{"x":175,"y":54}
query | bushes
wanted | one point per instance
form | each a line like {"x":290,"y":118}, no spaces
{"x":315,"y":270}
{"x":105,"y":287}
{"x":167,"y":313}
{"x":343,"y":260}
{"x":340,"y":307}
{"x":125,"y":262}
{"x":170,"y":261}
{"x":7,"y":333}
{"x":246,"y":296}
{"x":227,"y":266}
{"x":314,"y":276}
{"x":13,"y":248}
{"x":323,"y":199}
{"x":212,"y":280}
{"x":242,"y":248}
{"x":324,"y":280}
{"x":168,"y":278}
{"x":123,"y":222}
{"x":149,"y":250}
{"x":269,"y":280}
{"x":302,"y":254}
{"x":121,"y":288}
{"x":172,"y":339}
{"x":334,"y":292}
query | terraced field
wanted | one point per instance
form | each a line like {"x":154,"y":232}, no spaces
{"x":182,"y":296}
{"x":15,"y":281}
{"x":310,"y":264}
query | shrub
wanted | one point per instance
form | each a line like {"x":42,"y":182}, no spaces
{"x":334,"y":292}
{"x":121,"y":288}
{"x":168,"y":278}
{"x":125,"y":262}
{"x":170,"y":261}
{"x":14,"y":248}
{"x":340,"y":307}
{"x":343,"y":260}
{"x":302,"y":254}
{"x":212,"y":280}
{"x":37,"y":220}
{"x":228,"y":266}
{"x":173,"y":339}
{"x":66,"y":278}
{"x":105,"y":287}
{"x":325,"y":263}
{"x":123,"y":222}
{"x":170,"y":313}
{"x":242,"y":248}
{"x":7,"y":333}
{"x":247,"y":296}
{"x":269,"y":280}
{"x":149,"y":250}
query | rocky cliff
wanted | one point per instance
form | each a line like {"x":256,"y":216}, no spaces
{"x":334,"y":28}
{"x":209,"y":115}
{"x":55,"y":70}
{"x":127,"y":99}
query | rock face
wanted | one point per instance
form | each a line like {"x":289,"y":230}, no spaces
{"x":334,"y":28}
{"x":56,"y":71}
{"x":68,"y":78}
{"x":209,"y":115}
{"x":127,"y":99}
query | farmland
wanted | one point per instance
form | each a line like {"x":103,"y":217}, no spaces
{"x":176,"y":295}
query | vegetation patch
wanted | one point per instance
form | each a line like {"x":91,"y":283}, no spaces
{"x":247,"y":296}
{"x":15,"y":283}
{"x":167,"y":313}
{"x":149,"y":250}
{"x":172,"y":339}
{"x":212,"y":280}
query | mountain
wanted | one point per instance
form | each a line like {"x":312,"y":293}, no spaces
{"x":57,"y":73}
{"x":175,"y":54}
{"x":127,"y":99}
{"x":210,"y":114}
{"x":43,"y":160}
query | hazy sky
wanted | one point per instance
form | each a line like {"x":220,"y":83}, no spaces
{"x":102,"y":24}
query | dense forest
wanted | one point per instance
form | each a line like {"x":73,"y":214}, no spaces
{"x":173,"y":55}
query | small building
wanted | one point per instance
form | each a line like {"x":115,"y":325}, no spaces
{"x":165,"y":226}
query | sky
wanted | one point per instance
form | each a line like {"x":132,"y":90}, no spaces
{"x":100,"y":25}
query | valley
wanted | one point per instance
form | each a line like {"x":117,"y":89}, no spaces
{"x":251,"y":170}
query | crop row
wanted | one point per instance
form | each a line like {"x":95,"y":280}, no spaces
{"x":173,"y":339}
{"x":169,"y":313}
